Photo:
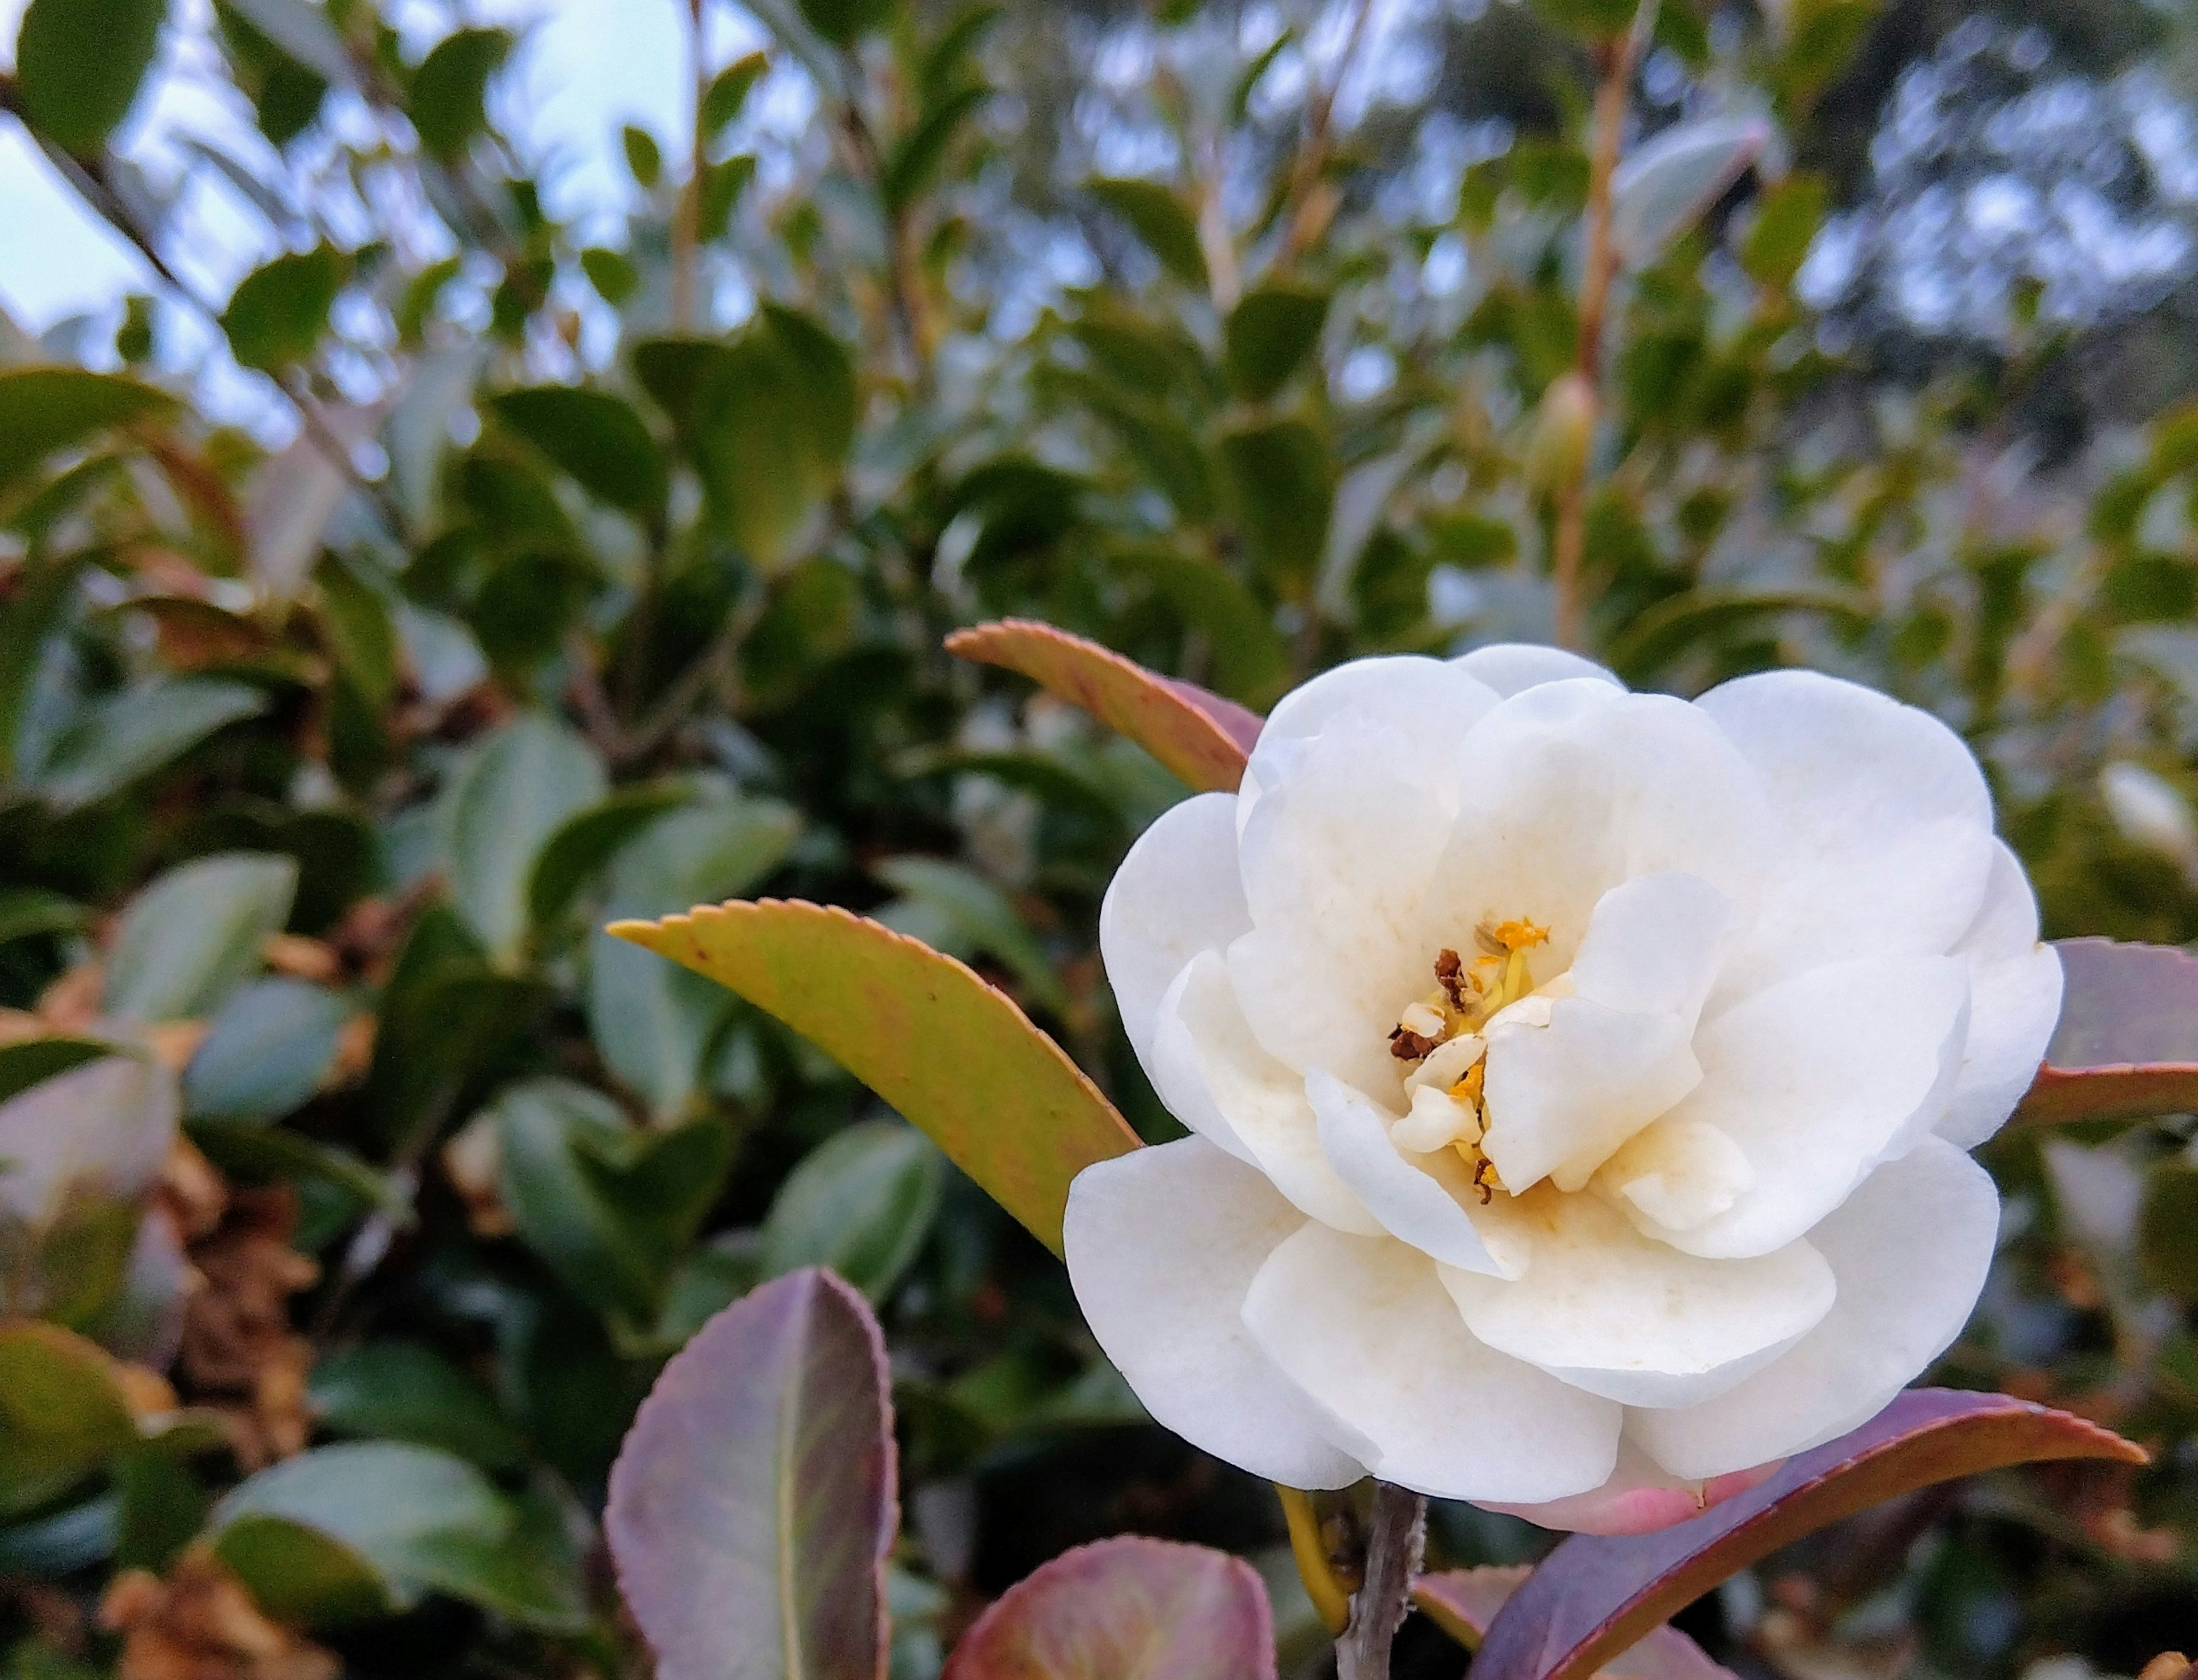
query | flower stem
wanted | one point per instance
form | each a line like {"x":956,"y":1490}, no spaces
{"x":1396,"y":1534}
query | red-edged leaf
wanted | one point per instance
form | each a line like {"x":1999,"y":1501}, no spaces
{"x":1596,"y":1596}
{"x":1463,"y":1603}
{"x":1126,"y":1609}
{"x":753,"y":1504}
{"x":1201,"y":737}
{"x":952,"y":1054}
{"x":2127,"y":1044}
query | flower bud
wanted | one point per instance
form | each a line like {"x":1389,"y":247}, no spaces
{"x":1564,"y":426}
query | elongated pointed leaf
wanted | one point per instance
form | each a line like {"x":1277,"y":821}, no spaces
{"x":1665,"y":186}
{"x":1463,"y":1603}
{"x":2127,"y":1044}
{"x":1126,"y":1609}
{"x":753,"y":1504}
{"x":1201,"y":737}
{"x":953,"y":1054}
{"x":1596,"y":1596}
{"x":79,"y":64}
{"x":1158,"y":217}
{"x":43,"y":409}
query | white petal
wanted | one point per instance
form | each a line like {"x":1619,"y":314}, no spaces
{"x":1429,"y":703}
{"x":1627,"y":1318}
{"x":1337,"y":862}
{"x":1819,"y":1078}
{"x":1210,"y":1072}
{"x":1890,"y":821}
{"x":1509,"y":666}
{"x":1419,"y":1201}
{"x":1362,"y":1325}
{"x":1640,"y":1497}
{"x":1617,"y":1053}
{"x":1678,"y":1174}
{"x":2014,"y":1003}
{"x":1162,"y":1243}
{"x":1910,"y":1248}
{"x":1176,"y":893}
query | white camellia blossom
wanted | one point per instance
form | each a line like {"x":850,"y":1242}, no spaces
{"x":1580,"y":1081}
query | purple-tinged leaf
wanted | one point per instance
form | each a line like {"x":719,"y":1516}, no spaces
{"x":953,"y":1054}
{"x":1126,"y":1609}
{"x":1463,"y":1603}
{"x":2127,"y":1044}
{"x":1596,"y":1596}
{"x":1201,"y":737}
{"x":752,"y":1503}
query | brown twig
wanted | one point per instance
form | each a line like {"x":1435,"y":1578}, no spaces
{"x":1311,"y":208}
{"x":1397,"y":1535}
{"x":1569,"y":537}
{"x":687,"y":216}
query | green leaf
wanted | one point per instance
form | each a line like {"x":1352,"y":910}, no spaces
{"x":970,"y":915}
{"x":728,"y":91}
{"x":122,"y":737}
{"x":79,"y":63}
{"x":366,"y":1524}
{"x":722,"y":184}
{"x":916,"y":156}
{"x":1271,"y":334}
{"x":1277,"y":486}
{"x":611,"y":1208}
{"x":265,"y":1152}
{"x":277,"y":313}
{"x":1665,"y":185}
{"x":360,"y":634}
{"x":405,"y":1391}
{"x":2167,"y":1229}
{"x":517,"y":790}
{"x":1786,"y":219}
{"x":31,"y":1061}
{"x":189,"y":938}
{"x":753,"y":1504}
{"x":450,"y":89}
{"x":861,"y":1203}
{"x":653,"y":1023}
{"x":952,"y":1054}
{"x":594,"y":436}
{"x":843,"y":22}
{"x":611,"y":273}
{"x":28,"y":911}
{"x":1160,"y":221}
{"x":1251,"y":659}
{"x":61,"y":1414}
{"x":584,"y":842}
{"x":1128,"y":1608}
{"x":46,"y":410}
{"x":644,"y":158}
{"x":266,"y":1051}
{"x":302,"y":30}
{"x":1200,"y":736}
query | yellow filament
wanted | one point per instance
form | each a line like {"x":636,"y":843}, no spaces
{"x":1329,"y":1595}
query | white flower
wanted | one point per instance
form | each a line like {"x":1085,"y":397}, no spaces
{"x":1580,"y":1081}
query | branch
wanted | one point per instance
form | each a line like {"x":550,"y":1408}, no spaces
{"x":1398,"y":1532}
{"x":1311,"y":208}
{"x":1569,"y":537}
{"x":687,"y":218}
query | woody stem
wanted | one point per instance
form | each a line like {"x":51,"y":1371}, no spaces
{"x":1396,"y":1533}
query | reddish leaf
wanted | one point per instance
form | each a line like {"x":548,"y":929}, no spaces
{"x":1594,"y":1596}
{"x":1126,"y":1609}
{"x":753,"y":1504}
{"x":952,"y":1054}
{"x":2127,"y":1044}
{"x":1463,"y":1603}
{"x":1201,"y":737}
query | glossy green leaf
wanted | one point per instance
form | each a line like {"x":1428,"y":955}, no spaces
{"x":79,"y":63}
{"x":120,"y":737}
{"x":450,"y":89}
{"x":1786,"y":219}
{"x":61,"y":1414}
{"x":343,"y":1530}
{"x":596,"y":437}
{"x":188,"y":939}
{"x":267,"y":1050}
{"x":25,"y":1062}
{"x":954,"y":1055}
{"x":277,"y":313}
{"x":46,"y":410}
{"x":2127,"y":1043}
{"x":1277,"y":486}
{"x":860,"y":1204}
{"x":917,"y":157}
{"x":729,"y":91}
{"x":1666,"y":185}
{"x":587,"y":840}
{"x":1595,"y":1596}
{"x":1161,"y":220}
{"x":651,"y":1023}
{"x":1130,"y":1609}
{"x":753,"y":1504}
{"x":1463,"y":1603}
{"x":609,"y":1207}
{"x":404,"y":1391}
{"x":1201,"y":737}
{"x":842,"y":21}
{"x":519,"y":788}
{"x":26,"y":912}
{"x":1270,"y":335}
{"x":301,"y":28}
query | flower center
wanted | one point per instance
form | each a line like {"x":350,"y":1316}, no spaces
{"x":1440,"y":1035}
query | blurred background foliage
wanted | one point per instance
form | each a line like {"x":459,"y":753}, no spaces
{"x":374,"y":626}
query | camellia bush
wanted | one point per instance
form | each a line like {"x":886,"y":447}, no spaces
{"x":1097,"y":872}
